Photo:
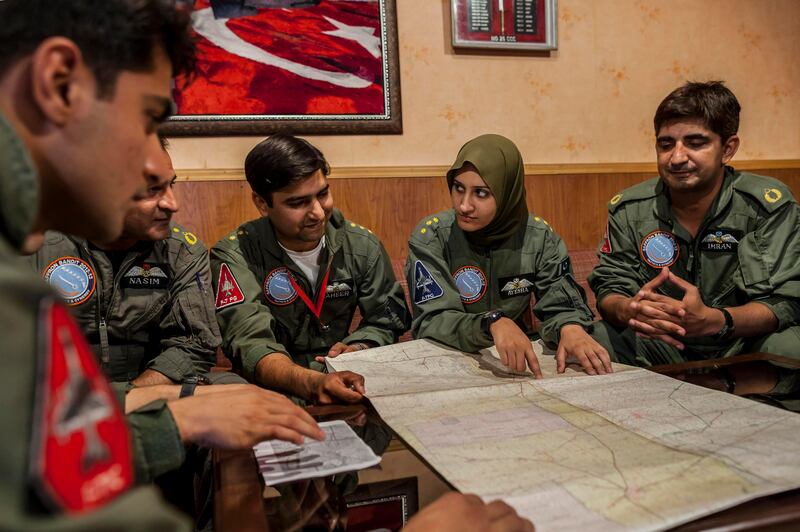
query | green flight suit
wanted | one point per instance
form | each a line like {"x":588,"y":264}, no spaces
{"x":456,"y":276}
{"x":747,"y":249}
{"x":260,"y":313}
{"x":453,"y":283}
{"x":23,"y":294}
{"x":155,"y":312}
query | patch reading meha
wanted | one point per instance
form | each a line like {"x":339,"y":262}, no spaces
{"x":72,"y":278}
{"x":471,"y":284}
{"x":659,"y":249}
{"x":721,"y":240}
{"x":425,"y":286}
{"x":516,"y":285}
{"x":278,"y":288}
{"x":147,"y":275}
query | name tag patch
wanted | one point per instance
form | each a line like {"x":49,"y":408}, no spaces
{"x":147,"y":275}
{"x":339,"y":289}
{"x":516,"y":285}
{"x":721,"y":240}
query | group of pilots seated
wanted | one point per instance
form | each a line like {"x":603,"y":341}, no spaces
{"x":700,"y":262}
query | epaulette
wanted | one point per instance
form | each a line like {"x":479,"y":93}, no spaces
{"x":187,"y":239}
{"x":356,"y":228}
{"x":426,"y":228}
{"x":770,"y":193}
{"x":645,"y":190}
{"x":538,"y":221}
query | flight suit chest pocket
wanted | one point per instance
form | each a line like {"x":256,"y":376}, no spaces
{"x":753,"y":257}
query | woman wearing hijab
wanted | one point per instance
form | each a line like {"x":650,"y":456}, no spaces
{"x":472,"y":269}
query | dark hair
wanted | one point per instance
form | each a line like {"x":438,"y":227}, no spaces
{"x":280,"y":161}
{"x":712,"y":102}
{"x":113,"y":35}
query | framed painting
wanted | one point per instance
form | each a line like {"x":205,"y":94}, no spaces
{"x":504,"y":24}
{"x":295,"y":66}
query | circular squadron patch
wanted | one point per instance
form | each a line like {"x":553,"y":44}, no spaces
{"x":72,"y":278}
{"x":471,"y":283}
{"x":278,"y":288}
{"x":659,"y":249}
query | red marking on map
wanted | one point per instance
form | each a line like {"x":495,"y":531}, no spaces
{"x":228,"y":290}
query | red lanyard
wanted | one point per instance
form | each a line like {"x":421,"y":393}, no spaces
{"x":316,"y":310}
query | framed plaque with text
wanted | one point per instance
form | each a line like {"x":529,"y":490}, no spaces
{"x":505,"y":24}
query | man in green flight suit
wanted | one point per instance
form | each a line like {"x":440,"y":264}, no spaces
{"x":83,"y":86}
{"x":703,"y":262}
{"x":144,"y":303}
{"x":287,"y":284}
{"x":144,"y":300}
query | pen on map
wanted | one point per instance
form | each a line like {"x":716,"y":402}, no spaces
{"x":200,"y":284}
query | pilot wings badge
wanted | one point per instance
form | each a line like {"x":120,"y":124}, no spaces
{"x":517,"y":285}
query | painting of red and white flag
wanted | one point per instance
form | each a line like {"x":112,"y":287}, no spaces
{"x":272,"y":61}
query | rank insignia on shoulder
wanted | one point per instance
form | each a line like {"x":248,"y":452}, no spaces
{"x":471,"y":284}
{"x":425,"y":286}
{"x":146,"y":275}
{"x":81,"y":456}
{"x":659,"y":249}
{"x":516,"y":285}
{"x":721,"y":240}
{"x":228,"y":290}
{"x":72,"y":278}
{"x":278,"y":287}
{"x":772,"y":195}
{"x":338,"y":289}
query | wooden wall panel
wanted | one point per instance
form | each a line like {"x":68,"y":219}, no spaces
{"x":574,"y":204}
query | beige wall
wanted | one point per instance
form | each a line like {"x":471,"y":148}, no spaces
{"x":591,"y":101}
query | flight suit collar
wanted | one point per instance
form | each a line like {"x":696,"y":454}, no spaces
{"x":663,"y":211}
{"x":334,"y":234}
{"x":19,"y":187}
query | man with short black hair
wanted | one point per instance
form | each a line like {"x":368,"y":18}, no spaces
{"x":702,"y":262}
{"x":83,"y":88}
{"x":288,"y":284}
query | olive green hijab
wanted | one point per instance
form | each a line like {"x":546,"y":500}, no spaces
{"x":499,"y":163}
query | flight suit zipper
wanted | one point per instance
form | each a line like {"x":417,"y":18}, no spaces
{"x":102,"y":326}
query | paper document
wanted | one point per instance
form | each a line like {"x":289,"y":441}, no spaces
{"x":632,"y":450}
{"x":341,"y":451}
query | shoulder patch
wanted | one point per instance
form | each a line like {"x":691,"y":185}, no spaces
{"x":228,"y":290}
{"x":541,"y":220}
{"x":72,"y":278}
{"x":80,"y":449}
{"x":425,"y":286}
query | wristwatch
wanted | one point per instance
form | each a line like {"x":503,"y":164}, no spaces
{"x":727,"y":329}
{"x":190,"y":383}
{"x":489,"y":318}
